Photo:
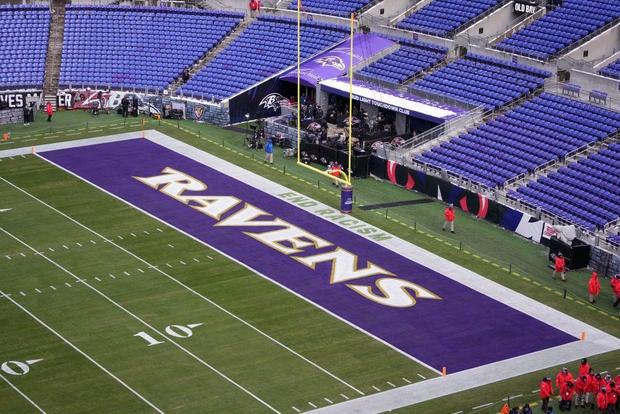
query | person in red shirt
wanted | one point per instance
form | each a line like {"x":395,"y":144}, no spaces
{"x":601,"y":401}
{"x":612,"y":397}
{"x":50,"y":111}
{"x":546,"y":391}
{"x":604,"y":381}
{"x":566,"y":395}
{"x":580,"y":391}
{"x":563,"y":376}
{"x":584,"y":367}
{"x":449,"y":214}
{"x":334,"y":170}
{"x":594,"y":287}
{"x":615,"y":286}
{"x":591,"y":389}
{"x":560,"y":266}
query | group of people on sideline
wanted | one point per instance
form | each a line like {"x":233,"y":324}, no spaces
{"x":590,"y":389}
{"x":594,"y":284}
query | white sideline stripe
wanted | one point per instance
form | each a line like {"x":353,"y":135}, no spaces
{"x":137,"y":318}
{"x":20,"y":392}
{"x":157,"y":269}
{"x":84,"y":354}
{"x":481,"y":406}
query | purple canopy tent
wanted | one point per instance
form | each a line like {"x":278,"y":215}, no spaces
{"x":335,"y":62}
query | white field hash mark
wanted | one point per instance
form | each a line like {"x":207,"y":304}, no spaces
{"x":138,"y":319}
{"x":178,"y":282}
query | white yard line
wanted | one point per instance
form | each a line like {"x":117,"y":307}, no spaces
{"x":17,"y":390}
{"x":184,"y":286}
{"x":84,"y":354}
{"x":137,"y":318}
{"x":598,"y":341}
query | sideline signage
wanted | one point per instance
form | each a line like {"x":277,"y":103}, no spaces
{"x":17,"y":100}
{"x":525,"y":6}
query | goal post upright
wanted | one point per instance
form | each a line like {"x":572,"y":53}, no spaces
{"x":343,"y":177}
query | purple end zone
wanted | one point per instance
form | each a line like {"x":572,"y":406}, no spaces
{"x":462,"y":330}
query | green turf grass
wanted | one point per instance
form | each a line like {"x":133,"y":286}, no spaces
{"x":478,"y":245}
{"x":193,"y":278}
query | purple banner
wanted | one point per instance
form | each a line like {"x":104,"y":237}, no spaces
{"x":424,"y":314}
{"x":336,"y":62}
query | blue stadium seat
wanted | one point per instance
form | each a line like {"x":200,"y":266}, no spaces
{"x":143,"y":50}
{"x":559,"y":28}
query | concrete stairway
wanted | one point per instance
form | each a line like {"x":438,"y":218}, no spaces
{"x":54,"y":52}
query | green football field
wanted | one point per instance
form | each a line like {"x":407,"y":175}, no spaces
{"x":106,"y":309}
{"x":98,"y":292}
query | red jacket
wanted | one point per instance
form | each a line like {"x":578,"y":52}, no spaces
{"x":581,"y":385}
{"x":562,"y":378}
{"x":612,"y":396}
{"x":546,"y":390}
{"x":335,"y":170}
{"x":49,"y":109}
{"x":594,"y":286}
{"x":593,"y":385}
{"x":449,"y":213}
{"x":567,"y":392}
{"x":584,"y":369}
{"x":615,"y":285}
{"x":559,"y":263}
{"x":601,"y":400}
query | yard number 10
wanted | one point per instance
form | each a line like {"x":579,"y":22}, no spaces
{"x":178,"y":331}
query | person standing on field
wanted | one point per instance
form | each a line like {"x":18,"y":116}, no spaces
{"x":269,"y":151}
{"x":546,"y":391}
{"x":594,"y":287}
{"x":560,"y":266}
{"x":50,"y":111}
{"x":449,"y":215}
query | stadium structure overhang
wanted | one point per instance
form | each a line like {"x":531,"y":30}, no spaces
{"x":392,"y":100}
{"x":336,"y":62}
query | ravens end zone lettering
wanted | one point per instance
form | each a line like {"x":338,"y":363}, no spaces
{"x":287,"y":239}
